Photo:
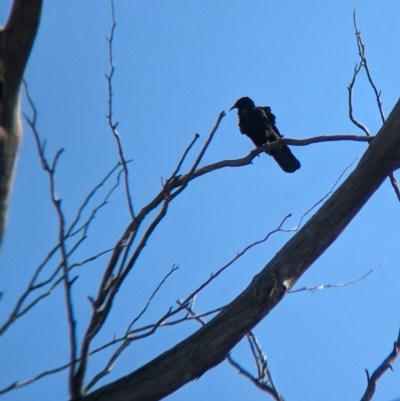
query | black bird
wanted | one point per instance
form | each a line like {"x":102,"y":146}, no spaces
{"x":258,"y":123}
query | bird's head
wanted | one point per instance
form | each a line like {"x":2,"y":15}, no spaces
{"x":243,"y":103}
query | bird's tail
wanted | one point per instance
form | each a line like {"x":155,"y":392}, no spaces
{"x":285,"y":158}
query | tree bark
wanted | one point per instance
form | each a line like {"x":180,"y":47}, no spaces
{"x":210,"y":345}
{"x":16,"y":40}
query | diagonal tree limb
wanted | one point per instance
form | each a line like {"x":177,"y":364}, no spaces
{"x":210,"y":345}
{"x":16,"y":40}
{"x":380,"y":370}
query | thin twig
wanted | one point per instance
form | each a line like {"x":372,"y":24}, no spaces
{"x":24,"y":383}
{"x":50,"y":170}
{"x":107,"y":369}
{"x":260,"y":385}
{"x":364,"y":63}
{"x":350,"y":87}
{"x":324,"y":286}
{"x":88,"y":197}
{"x":178,"y":167}
{"x":85,"y":226}
{"x":270,"y":389}
{"x":151,"y":328}
{"x":326,"y":195}
{"x":165,"y":278}
{"x":113,"y":125}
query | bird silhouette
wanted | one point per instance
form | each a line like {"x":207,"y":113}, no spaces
{"x":258,"y":123}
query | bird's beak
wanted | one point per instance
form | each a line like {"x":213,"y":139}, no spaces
{"x":233,"y":107}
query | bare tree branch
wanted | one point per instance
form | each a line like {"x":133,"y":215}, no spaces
{"x":259,"y":357}
{"x":324,"y":286}
{"x":110,"y":284}
{"x":350,"y":87}
{"x":50,"y":170}
{"x":19,"y":308}
{"x":382,"y":368}
{"x":174,"y":175}
{"x":211,"y":344}
{"x":364,"y":63}
{"x":113,"y":125}
{"x":127,"y":342}
{"x":326,"y":195}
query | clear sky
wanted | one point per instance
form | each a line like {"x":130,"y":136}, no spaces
{"x":178,"y":64}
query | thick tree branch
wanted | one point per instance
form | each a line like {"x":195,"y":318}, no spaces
{"x":16,"y":40}
{"x":211,"y":344}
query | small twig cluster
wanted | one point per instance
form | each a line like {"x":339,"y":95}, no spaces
{"x":363,"y":64}
{"x":263,"y":380}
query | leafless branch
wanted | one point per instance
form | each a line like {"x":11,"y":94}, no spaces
{"x":178,"y":167}
{"x":324,"y":286}
{"x":260,"y":385}
{"x":350,"y":87}
{"x":261,"y":361}
{"x":364,"y":63}
{"x":107,"y":369}
{"x":85,"y":226}
{"x":382,"y":368}
{"x":150,"y":329}
{"x":19,"y":308}
{"x":165,"y":278}
{"x":50,"y":170}
{"x":115,"y":341}
{"x":208,"y":346}
{"x":326,"y":195}
{"x":110,"y":284}
{"x":395,"y":185}
{"x":24,"y":383}
{"x":170,"y":313}
{"x":259,"y":357}
{"x":171,"y":189}
{"x":113,"y":125}
{"x":90,"y":196}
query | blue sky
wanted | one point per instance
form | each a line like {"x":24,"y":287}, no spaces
{"x":178,"y":64}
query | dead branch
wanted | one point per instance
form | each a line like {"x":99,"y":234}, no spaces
{"x":258,"y":355}
{"x":324,"y":286}
{"x":113,"y":125}
{"x":111,"y":283}
{"x":50,"y":169}
{"x":326,"y":196}
{"x":211,"y":344}
{"x":20,"y":308}
{"x":382,"y":368}
{"x":107,"y":369}
{"x":364,"y":64}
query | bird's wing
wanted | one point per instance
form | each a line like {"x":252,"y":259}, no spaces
{"x":271,"y":118}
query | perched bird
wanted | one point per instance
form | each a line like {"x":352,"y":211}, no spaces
{"x":258,"y":123}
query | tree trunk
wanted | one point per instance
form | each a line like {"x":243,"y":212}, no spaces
{"x":16,"y":40}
